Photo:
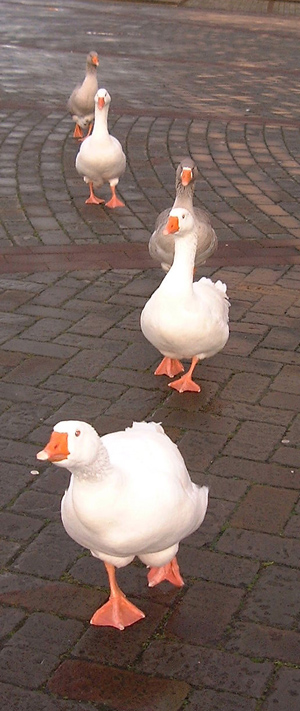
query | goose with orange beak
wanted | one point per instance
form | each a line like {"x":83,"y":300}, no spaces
{"x":185,"y":319}
{"x":162,"y":247}
{"x":101,"y":159}
{"x":129,"y":495}
{"x":81,"y":102}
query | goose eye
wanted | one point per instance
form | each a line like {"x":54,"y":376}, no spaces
{"x":77,"y":433}
{"x":183,"y":216}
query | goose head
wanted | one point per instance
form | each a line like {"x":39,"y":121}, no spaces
{"x":72,"y":443}
{"x":187,"y":172}
{"x":102,"y":98}
{"x":180,"y":223}
{"x":92,"y":60}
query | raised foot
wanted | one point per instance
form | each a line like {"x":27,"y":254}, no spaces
{"x":117,"y":612}
{"x":185,"y":384}
{"x":168,"y":572}
{"x":169,"y":367}
{"x":114,"y":202}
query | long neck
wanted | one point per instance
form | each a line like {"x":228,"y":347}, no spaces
{"x":100,"y":127}
{"x":96,"y":470}
{"x":184,"y":195}
{"x":182,"y":269}
{"x":91,"y":70}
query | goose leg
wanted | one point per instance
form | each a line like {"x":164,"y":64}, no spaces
{"x":81,"y":139}
{"x":168,"y":572}
{"x":170,"y":367}
{"x":186,"y":382}
{"x":92,"y":199}
{"x":117,"y":611}
{"x":78,"y":133}
{"x":114,"y":201}
{"x":90,"y":129}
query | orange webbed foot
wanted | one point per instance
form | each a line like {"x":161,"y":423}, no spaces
{"x":117,"y":612}
{"x":114,"y":202}
{"x":93,"y":200}
{"x":168,"y":572}
{"x":169,"y":367}
{"x":185,"y":384}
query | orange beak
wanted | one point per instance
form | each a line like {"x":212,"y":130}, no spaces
{"x":186,"y":176}
{"x":57,"y":448}
{"x":171,"y":226}
{"x":101,"y":102}
{"x":95,"y":61}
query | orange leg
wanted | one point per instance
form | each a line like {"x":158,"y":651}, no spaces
{"x":88,"y":133}
{"x":78,"y":133}
{"x":89,"y":129}
{"x":170,"y":367}
{"x":114,"y":201}
{"x":168,"y":572}
{"x":92,"y":199}
{"x":117,"y":611}
{"x":186,"y":382}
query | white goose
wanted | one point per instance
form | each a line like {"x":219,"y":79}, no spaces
{"x":101,"y":159}
{"x":130,"y":495}
{"x":81,"y":103}
{"x":162,"y":246}
{"x":183,"y":319}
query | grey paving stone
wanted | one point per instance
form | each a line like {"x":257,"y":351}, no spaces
{"x":25,"y":666}
{"x":209,"y":700}
{"x":209,"y":565}
{"x":204,"y":613}
{"x":40,"y":504}
{"x":206,"y":667}
{"x":260,"y":546}
{"x":8,"y":549}
{"x":266,"y":603}
{"x":255,"y":441}
{"x":284,"y":691}
{"x":10,"y":619}
{"x":263,"y":642}
{"x":18,"y":528}
{"x":13,"y":477}
{"x":48,"y":554}
{"x":47,"y":633}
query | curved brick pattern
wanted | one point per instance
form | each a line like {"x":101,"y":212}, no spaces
{"x":234,"y":119}
{"x":222,"y":86}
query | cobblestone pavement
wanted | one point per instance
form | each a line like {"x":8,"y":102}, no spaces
{"x":224,"y":87}
{"x":272,"y":7}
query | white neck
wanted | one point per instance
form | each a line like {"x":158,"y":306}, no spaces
{"x":94,"y":471}
{"x":100,"y":127}
{"x":182,"y":269}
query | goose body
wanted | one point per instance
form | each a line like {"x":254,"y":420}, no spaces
{"x":100,"y":158}
{"x":130,"y":495}
{"x":185,"y":319}
{"x":162,"y":247}
{"x":81,"y":103}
